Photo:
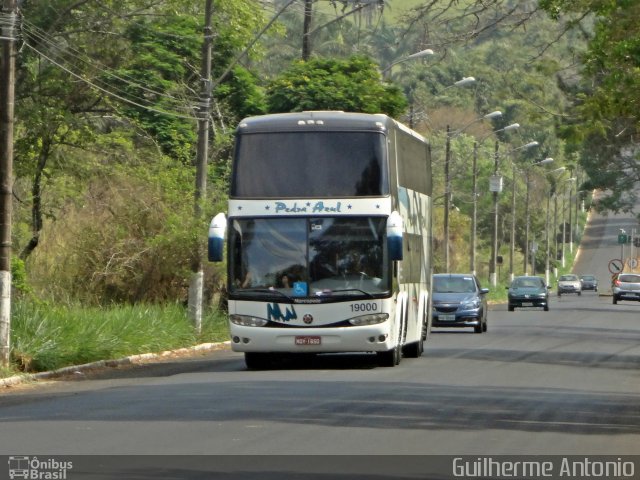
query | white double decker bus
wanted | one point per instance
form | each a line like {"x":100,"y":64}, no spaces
{"x":328,"y":236}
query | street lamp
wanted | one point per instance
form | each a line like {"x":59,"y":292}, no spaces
{"x":423,"y":53}
{"x":460,"y":83}
{"x":447,"y":180}
{"x":474,"y":216}
{"x":548,"y":245}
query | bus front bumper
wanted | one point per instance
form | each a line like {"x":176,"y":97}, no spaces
{"x":373,"y":338}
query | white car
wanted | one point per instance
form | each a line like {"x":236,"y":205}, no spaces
{"x":569,"y":283}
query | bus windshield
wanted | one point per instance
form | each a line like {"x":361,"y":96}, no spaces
{"x":309,"y":165}
{"x":309,"y":257}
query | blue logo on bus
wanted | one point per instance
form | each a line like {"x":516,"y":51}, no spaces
{"x":274,"y":312}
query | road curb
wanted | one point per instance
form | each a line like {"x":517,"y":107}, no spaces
{"x":129,"y":360}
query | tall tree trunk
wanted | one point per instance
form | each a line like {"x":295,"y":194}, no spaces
{"x":36,"y":201}
{"x":306,"y":37}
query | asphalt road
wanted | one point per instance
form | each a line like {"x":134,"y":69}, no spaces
{"x":563,"y":382}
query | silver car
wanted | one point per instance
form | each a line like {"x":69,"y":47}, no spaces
{"x":569,"y":283}
{"x":626,"y":287}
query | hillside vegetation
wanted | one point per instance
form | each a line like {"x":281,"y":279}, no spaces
{"x":108,"y":93}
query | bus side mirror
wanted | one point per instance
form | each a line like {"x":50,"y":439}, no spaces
{"x":217,"y":232}
{"x":394,"y":236}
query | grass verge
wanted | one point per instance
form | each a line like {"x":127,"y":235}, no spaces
{"x":45,"y":337}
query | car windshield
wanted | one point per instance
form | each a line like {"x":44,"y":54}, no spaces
{"x":588,"y":277}
{"x":454,"y":285}
{"x":527,"y":283}
{"x":568,"y":278}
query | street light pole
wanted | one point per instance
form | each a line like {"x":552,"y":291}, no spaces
{"x":527,"y":216}
{"x":474,"y":220}
{"x":546,"y":270}
{"x":512,"y":243}
{"x":474,"y":216}
{"x":447,"y":177}
{"x":493,"y":280}
{"x":570,"y":219}
{"x":552,"y":192}
{"x":526,"y":227}
{"x":447,"y":199}
{"x":513,"y":209}
{"x":564,"y":222}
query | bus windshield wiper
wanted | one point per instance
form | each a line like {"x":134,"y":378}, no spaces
{"x":342,"y":290}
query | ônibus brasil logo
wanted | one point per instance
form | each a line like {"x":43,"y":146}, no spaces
{"x":21,"y":466}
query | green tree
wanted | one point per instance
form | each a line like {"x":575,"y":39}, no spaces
{"x":606,"y":110}
{"x":105,"y":93}
{"x":352,"y":85}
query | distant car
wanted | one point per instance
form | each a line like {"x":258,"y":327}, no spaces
{"x":459,"y":301}
{"x":569,"y":283}
{"x":589,"y":282}
{"x":626,"y":287}
{"x":528,"y":291}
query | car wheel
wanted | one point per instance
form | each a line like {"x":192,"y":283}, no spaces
{"x":579,"y":293}
{"x":615,"y":300}
{"x":559,"y":294}
{"x":477,"y":328}
{"x":511,"y":308}
{"x":546,"y":308}
{"x":484,"y":326}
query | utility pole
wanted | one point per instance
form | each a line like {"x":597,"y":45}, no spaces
{"x":8,"y":15}
{"x":196,"y":284}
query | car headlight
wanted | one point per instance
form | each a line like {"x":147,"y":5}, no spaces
{"x":469,"y":304}
{"x":248,"y":320}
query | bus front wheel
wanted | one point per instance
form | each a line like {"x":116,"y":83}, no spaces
{"x":257,"y":360}
{"x":390,"y":358}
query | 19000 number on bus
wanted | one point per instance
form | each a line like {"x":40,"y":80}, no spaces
{"x":364,"y":307}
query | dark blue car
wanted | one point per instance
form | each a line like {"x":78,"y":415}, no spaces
{"x":528,"y":291}
{"x":459,"y":301}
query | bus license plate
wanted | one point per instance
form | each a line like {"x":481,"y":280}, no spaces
{"x":308,"y":340}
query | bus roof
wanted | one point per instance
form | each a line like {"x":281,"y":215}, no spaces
{"x":315,"y":120}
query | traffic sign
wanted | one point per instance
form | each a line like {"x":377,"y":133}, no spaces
{"x":615,"y":265}
{"x":633,"y":263}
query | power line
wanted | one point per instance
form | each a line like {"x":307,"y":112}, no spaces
{"x":69,"y":56}
{"x":104,"y":90}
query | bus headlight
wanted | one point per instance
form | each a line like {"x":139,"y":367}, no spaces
{"x":371,"y":319}
{"x":248,"y":320}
